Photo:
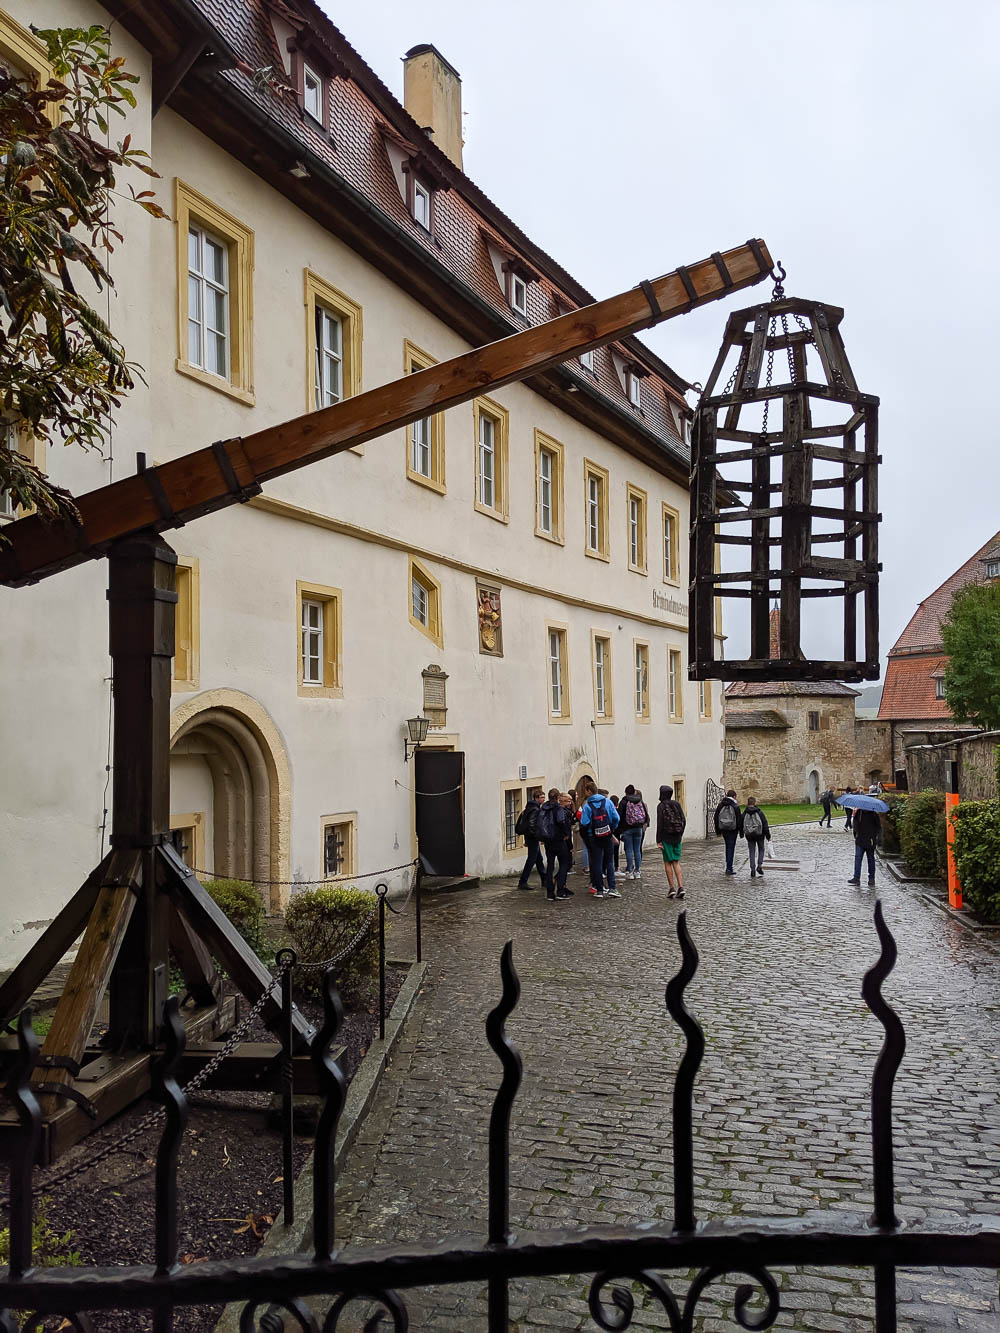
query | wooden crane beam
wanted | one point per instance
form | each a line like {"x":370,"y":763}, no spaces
{"x":226,"y":473}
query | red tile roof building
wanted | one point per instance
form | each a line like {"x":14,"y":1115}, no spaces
{"x":912,"y":698}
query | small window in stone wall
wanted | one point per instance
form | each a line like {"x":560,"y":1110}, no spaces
{"x":812,"y":721}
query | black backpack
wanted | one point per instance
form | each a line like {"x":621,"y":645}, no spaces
{"x":527,"y":821}
{"x":673,"y":818}
{"x":753,"y":823}
{"x":551,"y":823}
{"x":600,"y":820}
{"x":727,"y":817}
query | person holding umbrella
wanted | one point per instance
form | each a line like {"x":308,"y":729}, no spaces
{"x":867,"y":829}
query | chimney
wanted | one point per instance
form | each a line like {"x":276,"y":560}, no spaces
{"x":432,"y":94}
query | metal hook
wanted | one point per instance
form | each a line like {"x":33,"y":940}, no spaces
{"x":779,"y":275}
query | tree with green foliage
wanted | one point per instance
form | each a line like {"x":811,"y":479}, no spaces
{"x":970,"y":635}
{"x":62,"y":370}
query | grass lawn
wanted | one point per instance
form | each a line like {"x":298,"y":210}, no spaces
{"x":796,"y":814}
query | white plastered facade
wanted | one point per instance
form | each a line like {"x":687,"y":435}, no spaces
{"x":352,"y":523}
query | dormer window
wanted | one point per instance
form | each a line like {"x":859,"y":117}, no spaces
{"x":633,"y":386}
{"x":993,"y":569}
{"x":587,"y":361}
{"x":421,"y":204}
{"x":312,"y":94}
{"x":517,"y":293}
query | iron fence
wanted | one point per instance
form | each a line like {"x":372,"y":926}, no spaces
{"x":330,"y":1281}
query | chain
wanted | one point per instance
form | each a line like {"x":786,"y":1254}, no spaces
{"x":236,"y":1036}
{"x":330,"y":879}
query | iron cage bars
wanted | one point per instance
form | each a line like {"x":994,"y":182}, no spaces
{"x":814,"y":457}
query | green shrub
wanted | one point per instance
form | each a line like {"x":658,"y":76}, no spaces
{"x":321,"y":923}
{"x":977,"y":855}
{"x":49,"y":1249}
{"x":891,"y":822}
{"x":922,"y":833}
{"x":242,"y":904}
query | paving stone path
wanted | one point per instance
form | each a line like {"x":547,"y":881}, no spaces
{"x":781,"y":1106}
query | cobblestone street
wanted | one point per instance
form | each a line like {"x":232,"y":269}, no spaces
{"x":781,"y":1102}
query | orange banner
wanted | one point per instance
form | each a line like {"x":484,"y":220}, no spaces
{"x":954,"y":888}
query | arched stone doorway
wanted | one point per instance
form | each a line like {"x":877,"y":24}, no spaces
{"x":230,"y":790}
{"x":813,"y":787}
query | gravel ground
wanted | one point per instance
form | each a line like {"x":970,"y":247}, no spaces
{"x":229,"y":1180}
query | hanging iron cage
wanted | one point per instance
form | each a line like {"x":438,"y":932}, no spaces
{"x":784,"y":502}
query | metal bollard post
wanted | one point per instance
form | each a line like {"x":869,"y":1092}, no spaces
{"x":954,"y":887}
{"x":381,"y":890}
{"x":287,"y":1086}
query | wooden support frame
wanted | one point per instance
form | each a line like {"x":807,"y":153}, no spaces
{"x":764,"y":501}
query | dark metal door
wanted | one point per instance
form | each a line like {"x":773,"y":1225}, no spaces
{"x":439,"y":782}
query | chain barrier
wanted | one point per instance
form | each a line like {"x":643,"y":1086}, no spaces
{"x":449,"y":791}
{"x":304,"y":883}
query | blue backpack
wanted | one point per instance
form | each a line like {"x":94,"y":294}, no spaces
{"x":600,"y":820}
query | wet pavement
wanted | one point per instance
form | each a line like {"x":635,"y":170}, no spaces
{"x":781,"y":1116}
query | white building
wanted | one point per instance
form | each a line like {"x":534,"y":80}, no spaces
{"x":322,"y":243}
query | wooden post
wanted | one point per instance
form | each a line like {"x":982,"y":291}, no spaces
{"x":954,"y":887}
{"x":141,"y":597}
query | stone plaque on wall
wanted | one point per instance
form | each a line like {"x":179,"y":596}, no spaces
{"x":490,"y":619}
{"x":435,"y":699}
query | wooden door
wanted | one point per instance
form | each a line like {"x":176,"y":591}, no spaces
{"x":439,"y":784}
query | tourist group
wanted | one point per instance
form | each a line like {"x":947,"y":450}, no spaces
{"x":602,"y":824}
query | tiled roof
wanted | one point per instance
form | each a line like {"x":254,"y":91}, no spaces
{"x":767,"y":718}
{"x":910,"y":688}
{"x":360,"y":106}
{"x":785,"y":689}
{"x":924,"y":628}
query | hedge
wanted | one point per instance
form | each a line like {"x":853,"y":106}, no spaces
{"x":922,"y":834}
{"x":321,"y":923}
{"x":891,"y":822}
{"x":977,"y":855}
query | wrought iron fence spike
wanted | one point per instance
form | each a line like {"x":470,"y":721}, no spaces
{"x":499,"y":1140}
{"x":169,"y":1094}
{"x":22,"y":1163}
{"x":333,"y":1090}
{"x":694,"y":1050}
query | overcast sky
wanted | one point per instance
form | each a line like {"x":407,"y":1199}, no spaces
{"x":858,"y":138}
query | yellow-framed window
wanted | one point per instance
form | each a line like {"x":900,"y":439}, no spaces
{"x":215,"y":258}
{"x":680,"y":792}
{"x":339,"y":845}
{"x":641,"y":679}
{"x":187,"y":624}
{"x":704,"y":699}
{"x":635,"y":517}
{"x":549,"y":459}
{"x":595,"y":498}
{"x":675,"y":685}
{"x":425,"y":436}
{"x":604,"y":703}
{"x":188,"y":836}
{"x":557,"y":663}
{"x":671,"y":527}
{"x":334,"y":335}
{"x":19,"y":441}
{"x":425,"y":602}
{"x":492,"y":432}
{"x":320,"y":640}
{"x":26,"y":57}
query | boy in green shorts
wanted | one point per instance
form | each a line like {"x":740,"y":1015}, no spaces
{"x":670,"y":824}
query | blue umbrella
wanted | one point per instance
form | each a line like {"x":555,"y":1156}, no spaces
{"x":862,"y":801}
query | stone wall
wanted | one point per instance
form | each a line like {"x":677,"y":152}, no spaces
{"x":929,"y":766}
{"x":796,"y":764}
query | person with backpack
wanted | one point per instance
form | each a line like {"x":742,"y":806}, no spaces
{"x":567,"y":803}
{"x":729,"y":823}
{"x":598,"y":821}
{"x":527,"y":828}
{"x":634,"y":819}
{"x":553,"y":830}
{"x":826,"y":801}
{"x":867,"y":833}
{"x":757,"y":832}
{"x":671,"y":822}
